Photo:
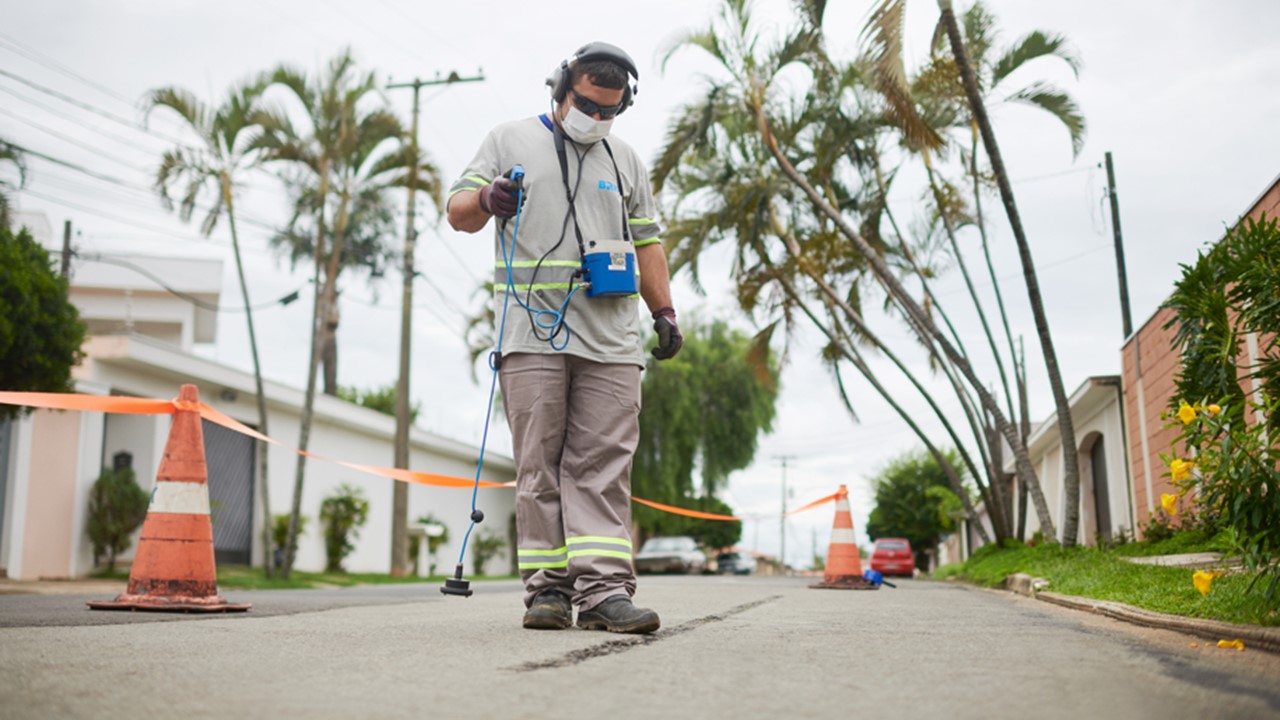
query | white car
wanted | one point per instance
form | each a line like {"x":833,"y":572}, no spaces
{"x":671,"y":554}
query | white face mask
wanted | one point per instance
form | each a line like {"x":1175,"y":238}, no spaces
{"x":584,"y":129}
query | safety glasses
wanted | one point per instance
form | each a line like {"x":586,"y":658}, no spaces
{"x":590,"y":107}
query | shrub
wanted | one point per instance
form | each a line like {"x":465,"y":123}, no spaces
{"x":342,"y":514}
{"x":486,"y":546}
{"x":40,"y":330}
{"x":433,"y":543}
{"x":280,"y":533}
{"x":1231,"y":290}
{"x":117,"y":506}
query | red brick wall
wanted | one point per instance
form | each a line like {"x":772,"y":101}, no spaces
{"x":1152,"y":345}
{"x":1148,"y":357}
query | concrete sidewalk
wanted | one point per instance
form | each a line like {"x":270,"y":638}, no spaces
{"x":729,"y":648}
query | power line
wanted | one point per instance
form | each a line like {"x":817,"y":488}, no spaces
{"x":91,"y":108}
{"x":247,"y":219}
{"x":284,"y":300}
{"x":71,"y":118}
{"x":67,"y":139}
{"x":36,"y":56}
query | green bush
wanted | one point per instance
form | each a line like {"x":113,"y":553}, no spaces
{"x":342,"y":514}
{"x":433,"y":543}
{"x":485,"y":547}
{"x":117,"y":506}
{"x":280,"y":532}
{"x":40,"y":330}
{"x":1232,"y":290}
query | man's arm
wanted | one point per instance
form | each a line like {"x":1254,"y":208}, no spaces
{"x":655,"y":276}
{"x":466,"y":215}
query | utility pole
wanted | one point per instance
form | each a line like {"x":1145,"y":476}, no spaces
{"x":1115,"y":228}
{"x":782,"y":519}
{"x":66,"y":248}
{"x":400,"y":491}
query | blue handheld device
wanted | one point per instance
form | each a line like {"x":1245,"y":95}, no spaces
{"x":609,"y":268}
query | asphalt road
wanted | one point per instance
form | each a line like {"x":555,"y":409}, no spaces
{"x":729,"y":647}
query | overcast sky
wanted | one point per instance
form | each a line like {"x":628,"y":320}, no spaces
{"x":1185,"y":94}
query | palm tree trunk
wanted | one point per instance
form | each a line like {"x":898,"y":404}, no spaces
{"x":856,"y":319}
{"x":329,"y":322}
{"x":1071,"y":472}
{"x":991,"y":269}
{"x":908,"y":305}
{"x":849,"y":349}
{"x":911,"y":259}
{"x":268,"y":558}
{"x":313,"y":364}
{"x":949,"y":227}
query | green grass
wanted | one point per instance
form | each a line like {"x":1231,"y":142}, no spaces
{"x":242,"y":577}
{"x":1105,"y":575}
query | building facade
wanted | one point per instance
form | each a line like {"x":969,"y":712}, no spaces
{"x":140,"y":345}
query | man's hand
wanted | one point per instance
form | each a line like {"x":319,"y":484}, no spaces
{"x":669,"y":338}
{"x":498,"y":198}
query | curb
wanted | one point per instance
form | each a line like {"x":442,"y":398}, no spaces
{"x":1254,"y":636}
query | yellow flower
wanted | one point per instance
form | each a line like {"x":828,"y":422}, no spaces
{"x":1214,"y":409}
{"x":1186,"y":414}
{"x":1169,"y":503}
{"x":1203,"y":580}
{"x":1180,"y":469}
{"x":1231,"y":644}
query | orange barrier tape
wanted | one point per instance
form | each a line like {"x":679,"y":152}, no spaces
{"x":681,"y":511}
{"x":99,"y":403}
{"x":814,"y":504}
{"x":149,"y":406}
{"x":412,"y":476}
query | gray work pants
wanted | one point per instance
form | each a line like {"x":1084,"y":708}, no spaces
{"x":574,"y":426}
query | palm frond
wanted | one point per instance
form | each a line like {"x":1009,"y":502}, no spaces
{"x":1060,"y":105}
{"x":1034,"y":45}
{"x":882,"y":40}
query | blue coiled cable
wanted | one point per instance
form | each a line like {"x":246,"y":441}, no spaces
{"x":508,"y":258}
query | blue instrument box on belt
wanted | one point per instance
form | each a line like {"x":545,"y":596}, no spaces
{"x":609,"y":268}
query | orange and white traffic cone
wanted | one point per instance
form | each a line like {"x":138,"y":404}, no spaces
{"x":174,"y":569}
{"x":844,"y":565}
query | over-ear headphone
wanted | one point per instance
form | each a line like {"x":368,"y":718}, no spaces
{"x":560,"y":82}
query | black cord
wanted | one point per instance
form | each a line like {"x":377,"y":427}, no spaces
{"x":572,"y":196}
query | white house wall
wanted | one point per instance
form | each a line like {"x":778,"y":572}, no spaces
{"x":341,"y":431}
{"x":1095,"y":412}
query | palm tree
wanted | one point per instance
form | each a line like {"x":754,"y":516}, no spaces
{"x":718,"y":166}
{"x":941,"y":78}
{"x":343,"y":166}
{"x":228,"y":145}
{"x":1066,"y":429}
{"x":780,"y":136}
{"x":13,"y":155}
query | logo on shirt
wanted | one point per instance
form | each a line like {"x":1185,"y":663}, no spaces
{"x":608,"y":185}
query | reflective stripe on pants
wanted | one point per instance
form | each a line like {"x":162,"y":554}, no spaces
{"x":575,"y":427}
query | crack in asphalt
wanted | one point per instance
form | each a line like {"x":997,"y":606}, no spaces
{"x":613,"y":647}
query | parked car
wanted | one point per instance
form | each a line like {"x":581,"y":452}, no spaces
{"x":678,"y":554}
{"x":893,"y":556}
{"x":735,"y":563}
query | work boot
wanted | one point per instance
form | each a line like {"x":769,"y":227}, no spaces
{"x":618,"y":614}
{"x":550,"y":611}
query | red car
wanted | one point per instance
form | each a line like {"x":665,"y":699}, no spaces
{"x":893,"y":556}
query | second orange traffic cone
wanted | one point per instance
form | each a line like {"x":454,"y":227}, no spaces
{"x":844,"y":564}
{"x":173,"y":569}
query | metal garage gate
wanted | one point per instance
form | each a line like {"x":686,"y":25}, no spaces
{"x":230,"y":457}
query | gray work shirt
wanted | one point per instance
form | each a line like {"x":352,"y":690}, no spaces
{"x":602,"y":329}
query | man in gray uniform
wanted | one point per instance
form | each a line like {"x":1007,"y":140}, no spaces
{"x":570,"y":356}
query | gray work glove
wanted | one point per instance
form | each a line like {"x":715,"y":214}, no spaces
{"x":669,"y":338}
{"x":498,"y":198}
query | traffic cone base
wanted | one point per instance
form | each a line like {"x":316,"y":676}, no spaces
{"x":844,"y":564}
{"x":174,"y":569}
